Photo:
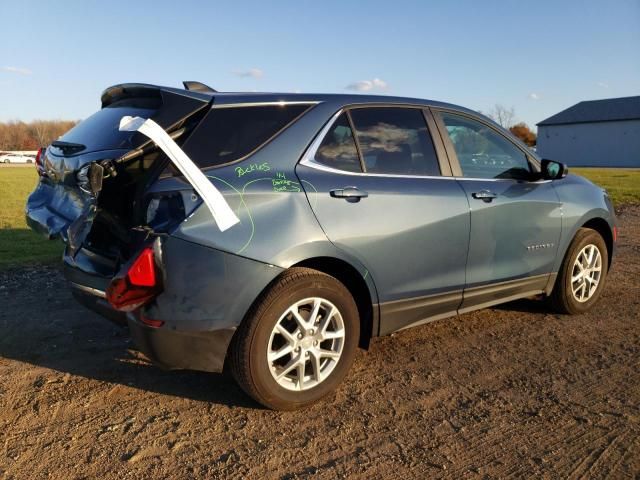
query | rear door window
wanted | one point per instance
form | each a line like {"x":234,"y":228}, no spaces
{"x":338,"y":148}
{"x":395,"y":141}
{"x":231,"y":133}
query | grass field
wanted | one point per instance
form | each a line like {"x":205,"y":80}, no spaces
{"x":19,"y":245}
{"x":623,"y":184}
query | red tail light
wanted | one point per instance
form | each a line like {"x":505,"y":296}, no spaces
{"x":39,"y":165}
{"x":138,"y":286}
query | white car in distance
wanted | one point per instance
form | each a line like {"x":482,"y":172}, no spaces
{"x":10,"y":158}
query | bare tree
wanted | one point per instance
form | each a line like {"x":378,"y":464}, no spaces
{"x":505,"y":117}
{"x":16,"y":135}
{"x":41,"y":131}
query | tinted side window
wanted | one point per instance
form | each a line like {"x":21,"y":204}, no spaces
{"x":395,"y":141}
{"x":482,"y":152}
{"x":338,"y":148}
{"x":227,"y":134}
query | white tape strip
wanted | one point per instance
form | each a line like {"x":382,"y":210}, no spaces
{"x":215,"y":201}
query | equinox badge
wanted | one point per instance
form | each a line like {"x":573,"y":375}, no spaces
{"x":540,"y":246}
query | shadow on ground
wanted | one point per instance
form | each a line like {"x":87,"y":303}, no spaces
{"x":70,"y":339}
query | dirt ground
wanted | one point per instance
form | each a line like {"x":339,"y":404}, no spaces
{"x":508,"y":392}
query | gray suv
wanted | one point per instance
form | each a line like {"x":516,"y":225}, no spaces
{"x":276,"y":233}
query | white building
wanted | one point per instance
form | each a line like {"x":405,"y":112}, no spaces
{"x":596,"y":133}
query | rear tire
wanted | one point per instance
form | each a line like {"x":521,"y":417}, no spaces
{"x":297,"y":342}
{"x":582,"y":275}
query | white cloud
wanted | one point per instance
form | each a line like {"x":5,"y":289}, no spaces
{"x":368,"y":85}
{"x":602,"y":85}
{"x":251,"y":73}
{"x":18,"y":70}
{"x":534,"y":96}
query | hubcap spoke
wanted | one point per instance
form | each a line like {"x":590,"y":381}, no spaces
{"x":317,"y":372}
{"x":325,"y":321}
{"x":328,"y":353}
{"x":314,"y":313}
{"x":289,"y":337}
{"x":293,"y":363}
{"x":333,"y":335}
{"x":300,"y":372}
{"x":302,"y":323}
{"x":273,"y":356}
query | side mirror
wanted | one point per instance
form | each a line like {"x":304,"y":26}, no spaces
{"x":553,"y":170}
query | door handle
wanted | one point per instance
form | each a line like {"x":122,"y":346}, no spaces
{"x":484,"y":195}
{"x":350,"y":194}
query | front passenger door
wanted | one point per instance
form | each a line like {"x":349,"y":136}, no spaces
{"x":515,"y":220}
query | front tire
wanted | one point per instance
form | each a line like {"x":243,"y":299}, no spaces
{"x":582,"y":274}
{"x":298,"y":341}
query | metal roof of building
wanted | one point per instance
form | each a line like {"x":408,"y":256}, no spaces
{"x":607,"y":110}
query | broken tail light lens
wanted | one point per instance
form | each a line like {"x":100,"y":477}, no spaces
{"x":39,"y":163}
{"x":138,"y":286}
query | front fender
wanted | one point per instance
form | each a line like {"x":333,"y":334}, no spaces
{"x":582,"y":201}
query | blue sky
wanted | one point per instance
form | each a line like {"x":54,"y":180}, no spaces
{"x":539,"y":57}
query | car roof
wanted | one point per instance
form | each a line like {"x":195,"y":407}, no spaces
{"x":337,"y":99}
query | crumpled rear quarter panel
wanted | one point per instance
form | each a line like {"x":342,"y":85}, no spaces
{"x":206,"y":289}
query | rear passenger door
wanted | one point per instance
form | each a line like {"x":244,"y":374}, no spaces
{"x":383,"y":195}
{"x":515,"y":216}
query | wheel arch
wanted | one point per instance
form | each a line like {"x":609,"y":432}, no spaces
{"x":601,"y":226}
{"x":357,"y":285}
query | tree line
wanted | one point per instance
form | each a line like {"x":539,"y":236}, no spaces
{"x":17,"y":135}
{"x":506,"y":117}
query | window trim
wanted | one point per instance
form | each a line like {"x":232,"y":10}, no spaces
{"x":453,"y":157}
{"x":283,"y":103}
{"x":356,"y":140}
{"x":308,"y":157}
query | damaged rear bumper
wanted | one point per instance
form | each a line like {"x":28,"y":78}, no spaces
{"x":206,"y":294}
{"x":171,"y":349}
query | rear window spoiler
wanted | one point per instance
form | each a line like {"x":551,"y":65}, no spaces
{"x":173,"y":105}
{"x":126,"y":91}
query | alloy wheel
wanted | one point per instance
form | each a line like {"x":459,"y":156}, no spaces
{"x":306,"y":344}
{"x":586,"y":273}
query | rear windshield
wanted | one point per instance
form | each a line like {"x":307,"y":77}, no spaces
{"x":101,"y":130}
{"x":228,"y":134}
